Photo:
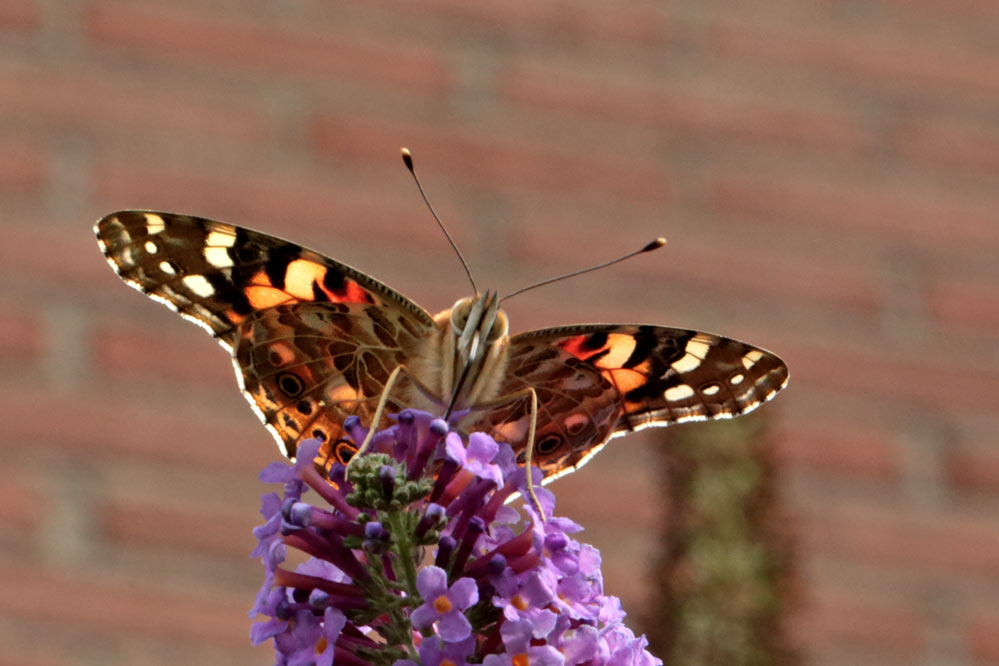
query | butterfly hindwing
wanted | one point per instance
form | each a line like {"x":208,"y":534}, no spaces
{"x":308,"y":366}
{"x":598,"y":381}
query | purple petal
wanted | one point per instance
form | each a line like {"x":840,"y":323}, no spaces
{"x":424,"y":616}
{"x":431,"y":582}
{"x":482,"y":447}
{"x":464,"y":593}
{"x":261,"y":631}
{"x":454,"y":626}
{"x":536,"y":592}
{"x":333,"y":623}
{"x":277,"y":472}
{"x":454,"y":448}
{"x":545,"y":655}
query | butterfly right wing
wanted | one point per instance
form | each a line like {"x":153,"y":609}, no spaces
{"x":597,"y":381}
{"x":313,"y":340}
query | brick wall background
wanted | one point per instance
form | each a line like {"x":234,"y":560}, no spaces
{"x":827,"y":174}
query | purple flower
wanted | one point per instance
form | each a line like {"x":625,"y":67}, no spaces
{"x":517,"y":638}
{"x":435,"y":651}
{"x":443,"y":605}
{"x":523,"y":596}
{"x":361,"y":597}
{"x":477,"y":457}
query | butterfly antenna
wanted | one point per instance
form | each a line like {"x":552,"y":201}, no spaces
{"x":407,"y":158}
{"x":654,"y":245}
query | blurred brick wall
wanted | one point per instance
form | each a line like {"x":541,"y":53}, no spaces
{"x":827,"y":174}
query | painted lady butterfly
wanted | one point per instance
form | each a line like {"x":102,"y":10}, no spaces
{"x":314,"y":341}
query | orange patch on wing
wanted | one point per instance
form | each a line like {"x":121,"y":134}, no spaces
{"x":612,"y":354}
{"x":352,"y":293}
{"x":260,"y":279}
{"x":341,"y":393}
{"x":619,"y":348}
{"x":574,"y":346}
{"x":234,"y":316}
{"x":300,"y":275}
{"x":261,"y":297}
{"x":625,"y":380}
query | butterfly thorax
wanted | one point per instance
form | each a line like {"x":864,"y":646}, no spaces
{"x":463,"y":362}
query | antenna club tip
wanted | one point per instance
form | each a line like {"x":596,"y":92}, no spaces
{"x":654,"y":245}
{"x":407,"y":158}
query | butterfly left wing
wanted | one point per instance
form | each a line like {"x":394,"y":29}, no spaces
{"x":598,"y":381}
{"x":313,"y":340}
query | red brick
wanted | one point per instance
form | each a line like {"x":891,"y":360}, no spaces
{"x":20,"y":15}
{"x":23,"y":168}
{"x":903,"y":215}
{"x":126,"y":349}
{"x":21,"y":503}
{"x":95,"y":424}
{"x":490,"y":162}
{"x":81,"y":97}
{"x":928,"y":546}
{"x":850,"y":621}
{"x":983,"y":638}
{"x":205,"y":531}
{"x":20,"y":659}
{"x":951,"y":145}
{"x":969,"y":306}
{"x":869,"y":455}
{"x":977,"y":471}
{"x":641,"y":23}
{"x":710,"y":265}
{"x":69,"y":260}
{"x":686,"y":112}
{"x":977,"y":13}
{"x":322,"y":51}
{"x":109,"y":606}
{"x":876,"y":54}
{"x":938,"y":384}
{"x":21,"y":335}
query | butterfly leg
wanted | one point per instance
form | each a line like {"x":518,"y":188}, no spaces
{"x":377,"y":417}
{"x":530,"y":394}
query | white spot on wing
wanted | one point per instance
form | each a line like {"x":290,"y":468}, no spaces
{"x":199,"y":285}
{"x":678,"y":392}
{"x":687,"y":363}
{"x":154,"y":224}
{"x":750,"y":359}
{"x":698,"y":347}
{"x":218,"y":256}
{"x":221,"y":236}
{"x":735,"y":380}
{"x":151,"y":247}
{"x":167,"y":268}
{"x":711,"y":390}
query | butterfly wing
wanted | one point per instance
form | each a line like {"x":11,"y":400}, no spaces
{"x":598,"y":381}
{"x":313,"y":340}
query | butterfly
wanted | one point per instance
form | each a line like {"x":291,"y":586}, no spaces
{"x":314,"y":341}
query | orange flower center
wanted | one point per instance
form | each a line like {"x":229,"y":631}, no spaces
{"x":519,"y":602}
{"x":442,"y":604}
{"x":520,"y":659}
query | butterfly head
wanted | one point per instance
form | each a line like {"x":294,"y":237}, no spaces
{"x":477,"y":324}
{"x":476,"y":333}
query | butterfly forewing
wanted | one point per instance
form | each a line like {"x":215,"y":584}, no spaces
{"x":597,"y":381}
